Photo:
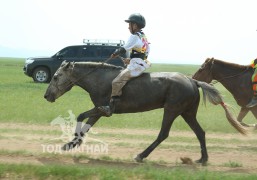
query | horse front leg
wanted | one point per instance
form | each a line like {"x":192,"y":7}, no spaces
{"x":80,"y":131}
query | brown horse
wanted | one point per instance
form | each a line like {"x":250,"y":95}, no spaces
{"x":176,"y":93}
{"x":234,"y":77}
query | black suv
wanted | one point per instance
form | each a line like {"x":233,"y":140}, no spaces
{"x":42,"y":69}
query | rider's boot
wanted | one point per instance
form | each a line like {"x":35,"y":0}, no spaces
{"x":253,"y":102}
{"x":108,"y":110}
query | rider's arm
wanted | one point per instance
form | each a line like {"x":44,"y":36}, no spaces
{"x":132,"y":42}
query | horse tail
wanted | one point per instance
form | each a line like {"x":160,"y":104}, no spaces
{"x":214,"y":96}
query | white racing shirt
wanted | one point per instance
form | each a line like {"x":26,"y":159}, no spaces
{"x":136,"y":66}
{"x":134,"y":41}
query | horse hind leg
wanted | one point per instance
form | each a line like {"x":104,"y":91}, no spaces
{"x":168,"y":119}
{"x":190,"y":118}
{"x":254,"y":111}
{"x":243,"y":112}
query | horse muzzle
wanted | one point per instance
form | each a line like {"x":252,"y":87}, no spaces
{"x":49,"y":98}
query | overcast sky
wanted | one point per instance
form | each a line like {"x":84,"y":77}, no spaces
{"x":180,"y":31}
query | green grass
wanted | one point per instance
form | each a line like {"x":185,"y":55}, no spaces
{"x":233,"y":164}
{"x":77,"y":171}
{"x":185,"y":69}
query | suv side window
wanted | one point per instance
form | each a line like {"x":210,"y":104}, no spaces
{"x":91,"y":51}
{"x":107,"y":51}
{"x":69,"y":52}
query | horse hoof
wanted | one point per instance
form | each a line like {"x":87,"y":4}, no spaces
{"x":201,"y":161}
{"x":138,"y":159}
{"x":68,"y":146}
{"x":71,"y":145}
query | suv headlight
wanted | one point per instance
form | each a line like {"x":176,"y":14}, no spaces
{"x":29,"y":61}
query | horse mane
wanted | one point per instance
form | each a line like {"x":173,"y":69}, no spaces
{"x":230,"y":65}
{"x":97,"y":65}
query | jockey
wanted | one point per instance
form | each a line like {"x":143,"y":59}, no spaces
{"x":139,"y":49}
{"x":253,"y":101}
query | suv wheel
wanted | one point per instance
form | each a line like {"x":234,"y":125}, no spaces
{"x":41,"y":75}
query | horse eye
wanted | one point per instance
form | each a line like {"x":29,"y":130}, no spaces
{"x":55,"y":76}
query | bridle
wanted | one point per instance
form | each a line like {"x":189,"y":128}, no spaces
{"x":227,"y":77}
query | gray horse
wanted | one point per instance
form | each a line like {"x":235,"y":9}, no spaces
{"x":175,"y":92}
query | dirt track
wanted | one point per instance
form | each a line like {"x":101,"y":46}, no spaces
{"x":35,"y":144}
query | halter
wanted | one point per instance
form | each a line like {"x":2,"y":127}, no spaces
{"x":216,"y":81}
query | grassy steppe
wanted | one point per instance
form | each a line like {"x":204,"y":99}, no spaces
{"x":21,"y":101}
{"x":68,"y":172}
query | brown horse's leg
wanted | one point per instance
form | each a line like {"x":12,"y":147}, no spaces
{"x":167,"y":121}
{"x":241,"y":116}
{"x":254,"y":111}
{"x":190,"y":118}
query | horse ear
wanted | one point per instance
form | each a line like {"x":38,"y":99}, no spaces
{"x":68,"y":65}
{"x":63,"y":63}
{"x":209,"y":59}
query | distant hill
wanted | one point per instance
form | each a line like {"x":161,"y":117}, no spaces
{"x":23,"y":53}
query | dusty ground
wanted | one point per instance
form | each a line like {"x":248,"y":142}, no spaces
{"x":36,"y":144}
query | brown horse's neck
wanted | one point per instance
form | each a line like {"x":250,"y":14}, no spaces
{"x":235,"y":78}
{"x":227,"y":71}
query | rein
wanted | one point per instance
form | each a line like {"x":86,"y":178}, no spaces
{"x":74,"y":82}
{"x":227,"y":77}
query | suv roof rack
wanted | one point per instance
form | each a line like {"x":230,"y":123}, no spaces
{"x":103,"y":42}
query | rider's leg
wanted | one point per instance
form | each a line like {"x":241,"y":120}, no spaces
{"x":135,"y":68}
{"x":117,"y":84}
{"x":253,"y":101}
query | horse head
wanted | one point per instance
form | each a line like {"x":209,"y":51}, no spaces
{"x":205,"y":71}
{"x":61,"y":82}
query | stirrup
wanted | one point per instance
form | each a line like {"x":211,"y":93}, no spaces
{"x":106,"y":110}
